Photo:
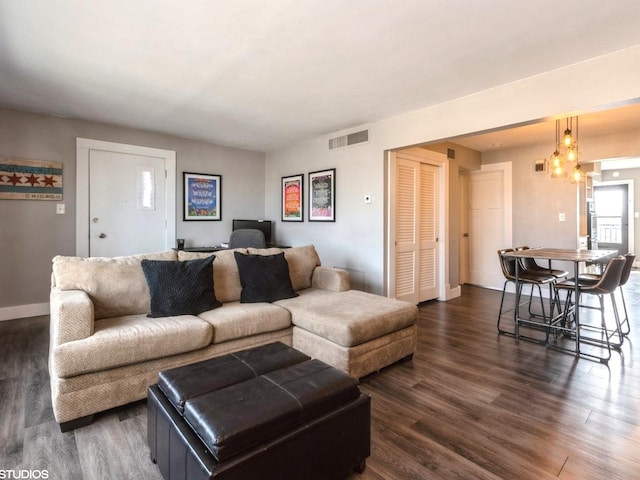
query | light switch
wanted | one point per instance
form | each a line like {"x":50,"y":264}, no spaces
{"x":368,"y":198}
{"x":60,"y":208}
{"x":561,"y":217}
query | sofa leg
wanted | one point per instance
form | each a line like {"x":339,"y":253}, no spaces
{"x":360,"y":468}
{"x":77,"y":423}
{"x":408,"y":358}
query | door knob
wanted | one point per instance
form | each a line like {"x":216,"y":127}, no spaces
{"x":466,"y":235}
{"x":102,"y":235}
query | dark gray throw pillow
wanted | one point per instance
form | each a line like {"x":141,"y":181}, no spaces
{"x":264,"y":278}
{"x":180,"y":288}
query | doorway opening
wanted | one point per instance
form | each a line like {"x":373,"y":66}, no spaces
{"x":611,"y":204}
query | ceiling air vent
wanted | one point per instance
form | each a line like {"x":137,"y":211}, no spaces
{"x":348,"y":140}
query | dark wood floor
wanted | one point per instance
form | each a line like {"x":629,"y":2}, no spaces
{"x":471,"y":405}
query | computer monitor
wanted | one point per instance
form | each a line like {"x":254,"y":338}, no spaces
{"x":264,"y":225}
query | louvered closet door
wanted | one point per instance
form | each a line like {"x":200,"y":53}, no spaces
{"x":428,"y":273}
{"x":416,"y":227}
{"x":406,"y":221}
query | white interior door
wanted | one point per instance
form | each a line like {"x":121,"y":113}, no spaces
{"x":125,"y":199}
{"x":489,"y":224}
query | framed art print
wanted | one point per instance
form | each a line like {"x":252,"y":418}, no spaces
{"x":202,"y":199}
{"x":322,"y":196}
{"x":292,"y":198}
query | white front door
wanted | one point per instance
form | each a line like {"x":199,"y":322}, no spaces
{"x":126,"y":204}
{"x":126,"y":199}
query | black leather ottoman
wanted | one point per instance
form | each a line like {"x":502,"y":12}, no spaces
{"x":265,"y":413}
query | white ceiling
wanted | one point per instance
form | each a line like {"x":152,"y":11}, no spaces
{"x":591,"y":124}
{"x":262,"y":74}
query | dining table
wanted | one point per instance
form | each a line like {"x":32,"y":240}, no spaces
{"x":574,"y":256}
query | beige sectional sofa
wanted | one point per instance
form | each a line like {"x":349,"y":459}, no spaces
{"x":105,"y":350}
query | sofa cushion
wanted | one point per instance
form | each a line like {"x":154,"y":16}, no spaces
{"x":238,"y":320}
{"x":180,"y":288}
{"x":349,"y":318}
{"x":225,"y":274}
{"x":115,"y":285}
{"x":264,"y":278}
{"x":302,"y":262}
{"x":128,"y":340}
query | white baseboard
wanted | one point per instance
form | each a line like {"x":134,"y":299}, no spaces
{"x":24,"y":311}
{"x":450,"y":293}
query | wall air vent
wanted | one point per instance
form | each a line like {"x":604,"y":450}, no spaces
{"x":349,"y":139}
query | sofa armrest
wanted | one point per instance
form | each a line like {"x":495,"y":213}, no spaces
{"x":72,"y":316}
{"x":330,"y":278}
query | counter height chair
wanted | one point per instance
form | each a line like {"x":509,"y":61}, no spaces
{"x":508,"y":266}
{"x":606,"y":285}
{"x":247,"y":237}
{"x":531,"y":265}
{"x":593,"y":278}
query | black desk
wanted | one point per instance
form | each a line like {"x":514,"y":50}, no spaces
{"x":218,"y":248}
{"x":202,"y":249}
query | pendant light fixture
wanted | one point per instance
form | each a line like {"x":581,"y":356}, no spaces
{"x":568,"y":139}
{"x":577,"y":175}
{"x":569,"y":144}
{"x":557,"y":162}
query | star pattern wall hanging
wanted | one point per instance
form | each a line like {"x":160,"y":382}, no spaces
{"x":30,"y":179}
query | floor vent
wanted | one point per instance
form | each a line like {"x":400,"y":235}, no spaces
{"x":348,"y":140}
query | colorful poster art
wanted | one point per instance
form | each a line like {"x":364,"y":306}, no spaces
{"x":322,"y":196}
{"x":202,"y":199}
{"x":30,"y":179}
{"x":292,"y":209}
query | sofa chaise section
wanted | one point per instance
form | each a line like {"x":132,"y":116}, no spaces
{"x":355,"y":331}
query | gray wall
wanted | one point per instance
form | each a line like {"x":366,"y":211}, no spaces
{"x":31,"y":233}
{"x":357,"y":240}
{"x":538,"y":199}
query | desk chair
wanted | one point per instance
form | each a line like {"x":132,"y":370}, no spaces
{"x":244,"y":238}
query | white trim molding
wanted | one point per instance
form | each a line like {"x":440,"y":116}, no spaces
{"x":83,"y":147}
{"x":24,"y":311}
